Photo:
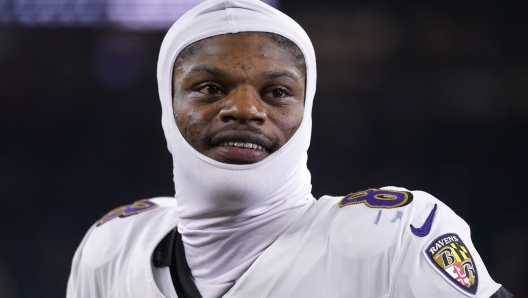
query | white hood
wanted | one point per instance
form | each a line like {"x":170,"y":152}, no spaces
{"x":223,"y":207}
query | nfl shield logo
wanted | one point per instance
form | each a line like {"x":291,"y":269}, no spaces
{"x":450,"y":256}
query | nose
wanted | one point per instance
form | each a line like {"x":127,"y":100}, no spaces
{"x":244,"y":106}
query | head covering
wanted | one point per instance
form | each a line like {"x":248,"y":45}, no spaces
{"x":231,"y":213}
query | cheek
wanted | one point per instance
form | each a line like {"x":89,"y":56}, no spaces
{"x":295,"y":123}
{"x":189,"y":123}
{"x":288,"y":122}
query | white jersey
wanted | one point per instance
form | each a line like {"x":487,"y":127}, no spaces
{"x":377,"y":243}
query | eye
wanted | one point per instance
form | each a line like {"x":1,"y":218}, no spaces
{"x":211,"y":90}
{"x":278,"y":93}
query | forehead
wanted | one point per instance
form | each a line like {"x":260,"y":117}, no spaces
{"x":248,"y":48}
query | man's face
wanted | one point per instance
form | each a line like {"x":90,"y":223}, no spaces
{"x":238,"y":97}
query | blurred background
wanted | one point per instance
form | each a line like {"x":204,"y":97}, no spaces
{"x":429,"y":95}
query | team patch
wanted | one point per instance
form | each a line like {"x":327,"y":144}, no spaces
{"x":378,"y":198}
{"x":450,"y":256}
{"x":128,"y":210}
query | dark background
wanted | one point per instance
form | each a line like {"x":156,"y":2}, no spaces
{"x":425,"y":95}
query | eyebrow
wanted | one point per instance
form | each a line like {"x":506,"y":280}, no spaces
{"x":280,"y":73}
{"x":219,"y":72}
{"x":206,"y":68}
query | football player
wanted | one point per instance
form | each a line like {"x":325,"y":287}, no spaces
{"x":236,"y":81}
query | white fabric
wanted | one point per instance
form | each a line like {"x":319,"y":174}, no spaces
{"x":329,"y":251}
{"x":231,"y":213}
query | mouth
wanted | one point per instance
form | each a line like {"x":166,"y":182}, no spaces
{"x":241,"y":147}
{"x":240,"y":144}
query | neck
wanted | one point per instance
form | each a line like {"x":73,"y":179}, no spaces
{"x":225,"y":226}
{"x":231,"y":213}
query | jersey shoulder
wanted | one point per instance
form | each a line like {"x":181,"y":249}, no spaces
{"x":121,"y":239}
{"x":137,"y":207}
{"x":386,"y":216}
{"x":116,"y":230}
{"x":406,"y":203}
{"x":410,"y":205}
{"x":428,"y":245}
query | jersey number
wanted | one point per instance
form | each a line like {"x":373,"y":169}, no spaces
{"x":378,"y":198}
{"x":127,"y":210}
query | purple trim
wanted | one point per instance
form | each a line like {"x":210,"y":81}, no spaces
{"x":425,"y":229}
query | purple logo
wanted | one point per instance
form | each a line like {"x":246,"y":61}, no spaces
{"x":425,"y":229}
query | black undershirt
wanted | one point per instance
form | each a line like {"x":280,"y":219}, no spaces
{"x":170,"y":252}
{"x":181,"y":273}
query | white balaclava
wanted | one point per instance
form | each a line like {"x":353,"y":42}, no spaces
{"x":231,"y":213}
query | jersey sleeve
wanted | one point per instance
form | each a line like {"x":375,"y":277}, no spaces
{"x":438,"y":258}
{"x":78,"y":283}
{"x":115,"y":257}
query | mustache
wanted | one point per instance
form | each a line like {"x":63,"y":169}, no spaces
{"x":249,"y":134}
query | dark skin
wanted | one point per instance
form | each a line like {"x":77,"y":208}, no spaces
{"x":238,"y":98}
